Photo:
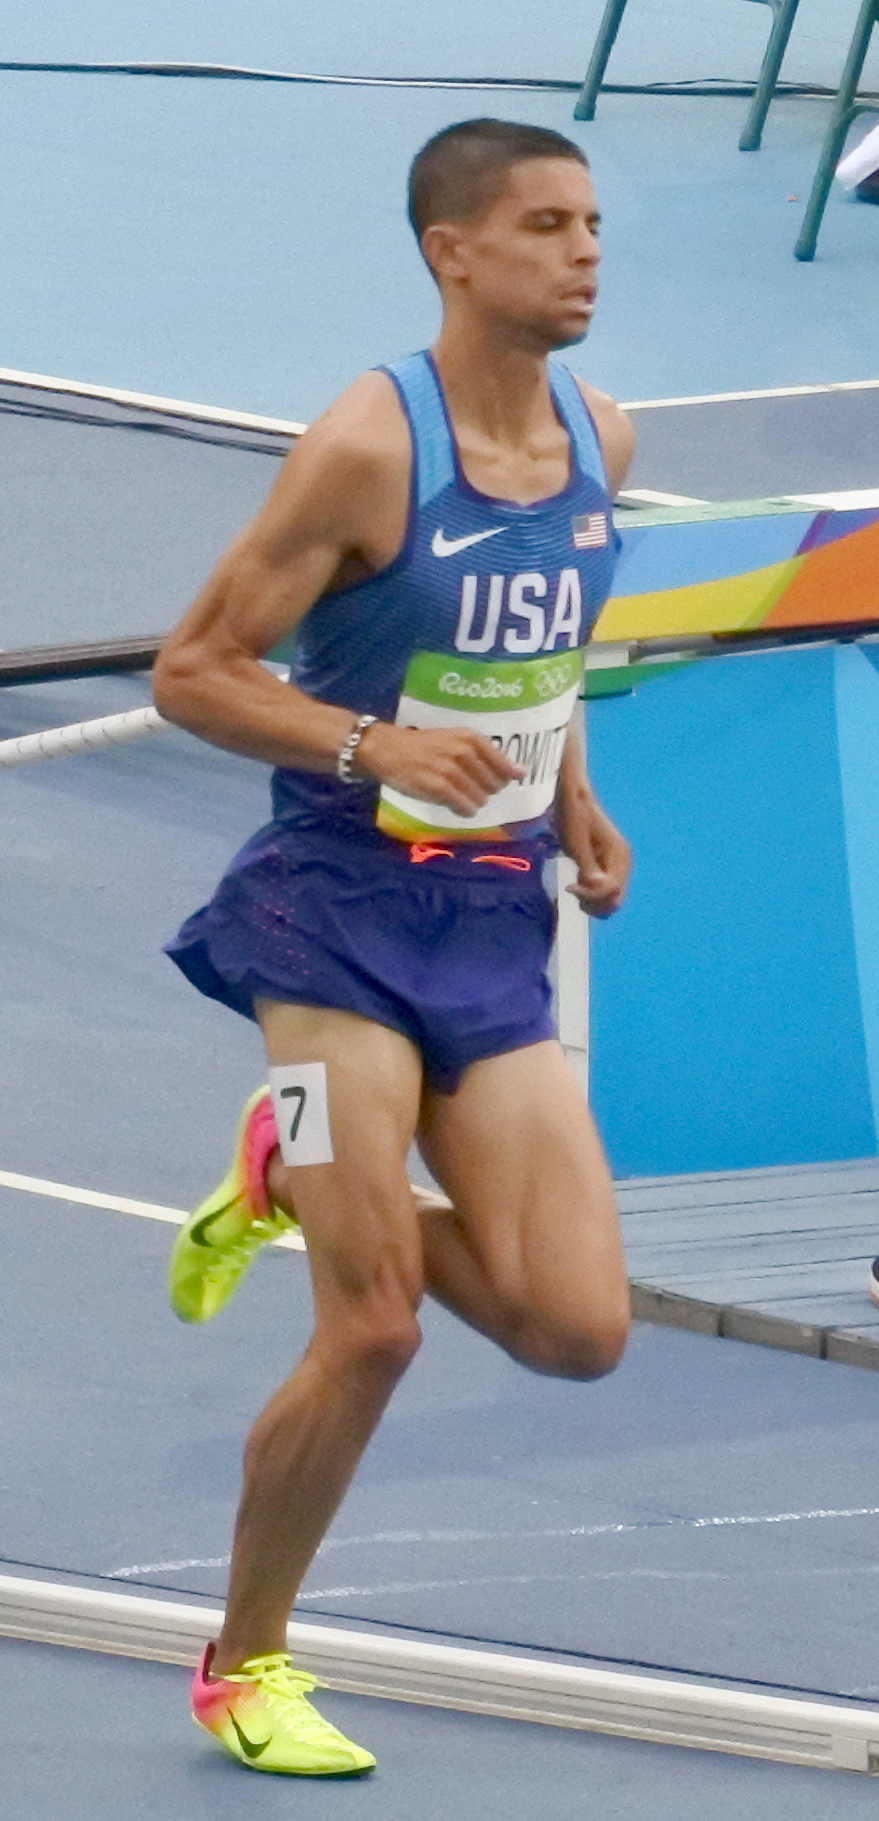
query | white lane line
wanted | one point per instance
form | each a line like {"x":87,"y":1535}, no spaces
{"x":117,"y":1204}
{"x":457,"y":1537}
{"x":192,"y":1561}
{"x":732,"y":398}
{"x":778,"y":1572}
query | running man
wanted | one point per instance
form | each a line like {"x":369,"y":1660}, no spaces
{"x":441,"y":540}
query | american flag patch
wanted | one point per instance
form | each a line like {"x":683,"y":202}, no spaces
{"x":590,"y":531}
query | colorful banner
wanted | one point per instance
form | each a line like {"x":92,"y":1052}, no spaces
{"x":760,"y":565}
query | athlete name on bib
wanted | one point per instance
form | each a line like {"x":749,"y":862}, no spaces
{"x":524,"y":710}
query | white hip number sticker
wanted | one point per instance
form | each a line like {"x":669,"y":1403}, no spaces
{"x":302,"y":1114}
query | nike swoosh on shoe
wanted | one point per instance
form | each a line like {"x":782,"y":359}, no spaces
{"x":198,"y":1233}
{"x":248,"y":1746}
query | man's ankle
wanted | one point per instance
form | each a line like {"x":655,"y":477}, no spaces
{"x":220,"y":1664}
{"x":276,"y":1181}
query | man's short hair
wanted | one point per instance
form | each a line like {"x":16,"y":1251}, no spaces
{"x":462,"y":170}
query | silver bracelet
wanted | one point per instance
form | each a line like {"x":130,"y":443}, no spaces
{"x":349,"y":747}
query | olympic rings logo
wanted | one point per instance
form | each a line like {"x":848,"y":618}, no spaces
{"x":551,"y":683}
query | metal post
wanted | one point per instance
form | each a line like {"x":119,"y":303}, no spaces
{"x":752,"y":131}
{"x":610,"y":25}
{"x":845,"y":110}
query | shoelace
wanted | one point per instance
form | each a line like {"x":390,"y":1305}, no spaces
{"x":276,"y":1676}
{"x":279,"y":1684}
{"x":238,"y":1251}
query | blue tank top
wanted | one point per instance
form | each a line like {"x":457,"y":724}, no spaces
{"x":475,"y":575}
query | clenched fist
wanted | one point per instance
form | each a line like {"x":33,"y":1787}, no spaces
{"x":453,"y":766}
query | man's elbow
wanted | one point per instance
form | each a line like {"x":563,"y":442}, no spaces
{"x":173,"y":681}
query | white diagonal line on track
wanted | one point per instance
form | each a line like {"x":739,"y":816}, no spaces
{"x":117,"y":1204}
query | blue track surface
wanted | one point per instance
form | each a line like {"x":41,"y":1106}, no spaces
{"x":493,"y":1504}
{"x":245,"y":244}
{"x":684,"y":1515}
{"x":119,"y":1743}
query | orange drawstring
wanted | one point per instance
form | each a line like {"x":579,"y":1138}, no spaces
{"x":422,"y":850}
{"x":515,"y":863}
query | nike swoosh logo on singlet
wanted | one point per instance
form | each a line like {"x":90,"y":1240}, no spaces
{"x":443,"y":546}
{"x":248,"y":1747}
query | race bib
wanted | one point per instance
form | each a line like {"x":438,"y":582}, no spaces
{"x":524,"y":710}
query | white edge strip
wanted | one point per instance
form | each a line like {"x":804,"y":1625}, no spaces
{"x":854,"y":500}
{"x":731,"y":398}
{"x":647,"y":496}
{"x":144,"y":401}
{"x":248,"y":420}
{"x":117,"y":1204}
{"x":475,"y":1681}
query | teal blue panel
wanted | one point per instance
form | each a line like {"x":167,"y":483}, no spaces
{"x":675,"y":556}
{"x":726,"y":1018}
{"x":857,"y":714}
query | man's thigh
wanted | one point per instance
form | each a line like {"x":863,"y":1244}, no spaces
{"x":517,"y":1152}
{"x":356,"y":1211}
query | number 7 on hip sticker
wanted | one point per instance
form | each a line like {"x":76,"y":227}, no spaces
{"x":302,"y":1114}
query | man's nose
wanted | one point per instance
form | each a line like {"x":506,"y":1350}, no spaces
{"x":586,"y":245}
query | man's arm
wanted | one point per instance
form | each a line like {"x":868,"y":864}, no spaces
{"x":602,"y":855}
{"x":340,"y":501}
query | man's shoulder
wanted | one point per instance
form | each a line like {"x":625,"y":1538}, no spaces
{"x":616,"y":432}
{"x":348,"y":475}
{"x":363,"y":430}
{"x":605,"y":409}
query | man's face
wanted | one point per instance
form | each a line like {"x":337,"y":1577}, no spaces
{"x":530,"y":262}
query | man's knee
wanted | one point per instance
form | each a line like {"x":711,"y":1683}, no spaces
{"x":582,"y":1353}
{"x":370,"y":1331}
{"x":382,"y":1346}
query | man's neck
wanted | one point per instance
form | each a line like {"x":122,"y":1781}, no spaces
{"x":501,"y":391}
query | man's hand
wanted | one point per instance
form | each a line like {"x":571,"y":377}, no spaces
{"x":456,"y":768}
{"x":602,"y":856}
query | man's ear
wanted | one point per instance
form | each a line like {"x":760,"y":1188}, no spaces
{"x":442,"y":247}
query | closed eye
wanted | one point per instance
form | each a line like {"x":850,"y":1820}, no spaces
{"x":551,"y":221}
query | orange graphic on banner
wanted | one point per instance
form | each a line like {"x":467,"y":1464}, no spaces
{"x":837,"y":582}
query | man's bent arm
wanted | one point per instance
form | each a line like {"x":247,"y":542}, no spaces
{"x":335,"y":502}
{"x":208,"y":677}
